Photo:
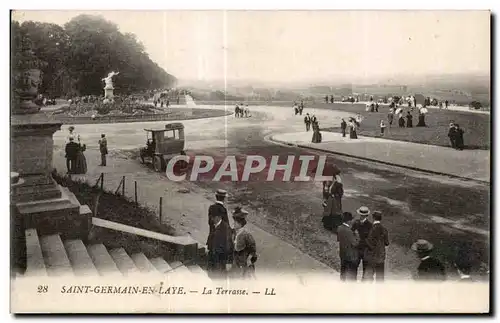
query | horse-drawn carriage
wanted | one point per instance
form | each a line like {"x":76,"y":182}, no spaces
{"x":162,"y":145}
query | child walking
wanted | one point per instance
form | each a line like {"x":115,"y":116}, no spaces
{"x":382,"y":127}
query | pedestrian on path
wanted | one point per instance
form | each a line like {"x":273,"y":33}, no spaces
{"x":220,"y":249}
{"x":452,"y":134}
{"x":409,"y":120}
{"x":103,"y":148}
{"x":352,"y":129}
{"x":245,"y":250}
{"x":218,"y":208}
{"x":362,"y":226}
{"x":401,"y":121}
{"x":348,"y":252}
{"x":390,"y":116}
{"x":382,"y":127}
{"x":71,"y":150}
{"x":307,"y":121}
{"x":377,"y":241}
{"x":459,"y":137}
{"x":430,"y":268}
{"x":343,"y":127}
{"x":317,"y":137}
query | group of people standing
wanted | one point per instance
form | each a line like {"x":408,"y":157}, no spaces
{"x":363,"y":242}
{"x":76,"y":163}
{"x":353,"y":125}
{"x":231,"y":251}
{"x":241,"y":111}
{"x":312,"y":121}
{"x":298,"y":109}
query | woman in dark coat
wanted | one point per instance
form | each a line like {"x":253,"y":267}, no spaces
{"x":352,"y":129}
{"x":401,"y":121}
{"x":333,"y":207}
{"x":317,"y":137}
{"x":421,"y":120}
{"x":459,"y":137}
{"x":409,"y":120}
{"x":81,"y":161}
{"x":245,"y":250}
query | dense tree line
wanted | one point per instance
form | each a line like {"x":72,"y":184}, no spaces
{"x":76,"y":57}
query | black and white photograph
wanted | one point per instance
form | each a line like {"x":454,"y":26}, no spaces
{"x":250,"y":161}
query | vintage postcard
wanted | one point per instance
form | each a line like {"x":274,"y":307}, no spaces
{"x":226,"y":161}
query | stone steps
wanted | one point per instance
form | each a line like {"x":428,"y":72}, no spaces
{"x":123,"y":261}
{"x":35,"y":263}
{"x":80,"y":259}
{"x":50,"y":256}
{"x":103,"y":260}
{"x":55,"y":256}
{"x":143,"y":264}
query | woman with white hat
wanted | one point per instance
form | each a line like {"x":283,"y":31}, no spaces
{"x":245,"y":251}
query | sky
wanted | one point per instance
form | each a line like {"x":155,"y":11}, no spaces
{"x":281,"y":46}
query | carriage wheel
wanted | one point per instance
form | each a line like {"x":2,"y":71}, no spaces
{"x":159,"y":164}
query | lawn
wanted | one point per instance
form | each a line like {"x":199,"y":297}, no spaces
{"x":475,"y":125}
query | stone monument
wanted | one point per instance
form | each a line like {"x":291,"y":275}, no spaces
{"x":43,"y":204}
{"x":108,"y":88}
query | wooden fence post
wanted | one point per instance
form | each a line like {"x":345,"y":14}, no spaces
{"x":123,"y":186}
{"x":135,"y":191}
{"x":161,"y":206}
{"x":102,"y":181}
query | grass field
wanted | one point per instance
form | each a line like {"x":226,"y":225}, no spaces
{"x":476,"y":126}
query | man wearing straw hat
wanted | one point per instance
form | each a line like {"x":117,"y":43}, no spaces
{"x":218,"y":208}
{"x":430,"y":268}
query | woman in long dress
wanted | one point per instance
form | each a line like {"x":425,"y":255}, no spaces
{"x":333,"y":207}
{"x":352,"y":130}
{"x":245,"y":250}
{"x":409,"y":120}
{"x":81,"y":161}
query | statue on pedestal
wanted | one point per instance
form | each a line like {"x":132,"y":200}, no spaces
{"x":108,"y":88}
{"x":109,"y":80}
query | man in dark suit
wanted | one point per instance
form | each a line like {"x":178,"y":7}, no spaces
{"x":376,"y":242}
{"x":363,"y":227}
{"x":343,"y":127}
{"x":348,"y":249}
{"x":430,"y":268}
{"x":220,"y":250}
{"x":218,"y":208}
{"x":71,"y":153}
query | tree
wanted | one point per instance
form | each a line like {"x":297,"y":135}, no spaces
{"x":85,"y":50}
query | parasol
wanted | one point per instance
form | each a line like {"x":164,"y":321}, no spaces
{"x":398,"y":110}
{"x":424,"y":110}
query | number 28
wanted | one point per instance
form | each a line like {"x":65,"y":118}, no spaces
{"x":43,"y":289}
